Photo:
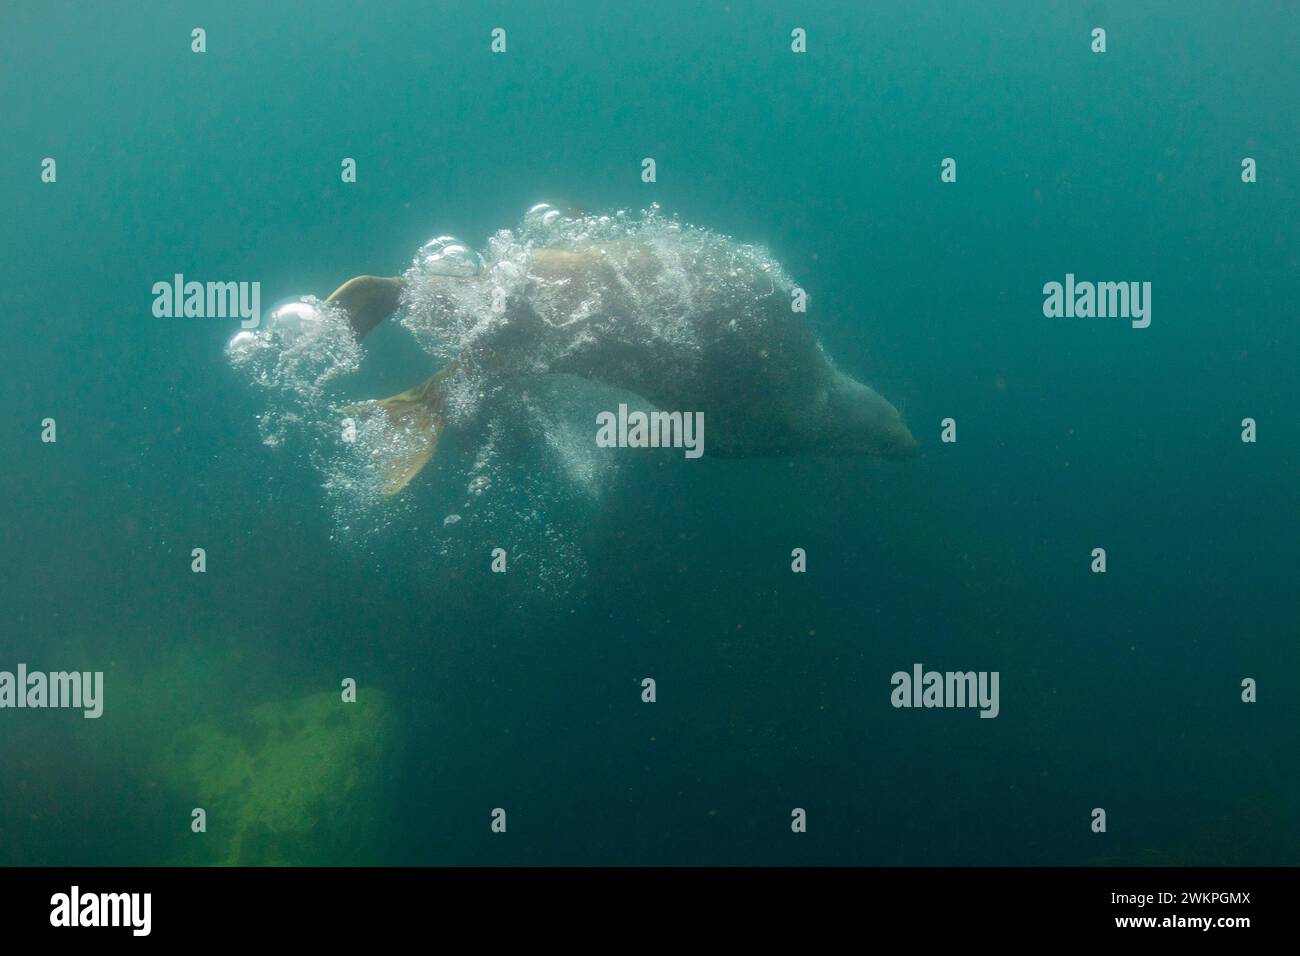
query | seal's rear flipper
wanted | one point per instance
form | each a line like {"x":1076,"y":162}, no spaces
{"x":417,"y":422}
{"x":368,"y":301}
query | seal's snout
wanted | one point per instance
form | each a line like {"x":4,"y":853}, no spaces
{"x":860,"y":422}
{"x":901,"y":446}
{"x":909,"y":447}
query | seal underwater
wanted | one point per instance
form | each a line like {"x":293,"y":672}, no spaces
{"x":688,"y":319}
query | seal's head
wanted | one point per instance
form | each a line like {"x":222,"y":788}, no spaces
{"x":858,"y":421}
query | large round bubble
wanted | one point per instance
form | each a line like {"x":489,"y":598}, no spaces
{"x":542,"y":215}
{"x":448,"y":256}
{"x":294,"y":319}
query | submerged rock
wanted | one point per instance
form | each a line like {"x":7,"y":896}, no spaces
{"x":300,"y":782}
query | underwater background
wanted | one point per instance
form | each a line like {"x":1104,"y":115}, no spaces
{"x":522,"y":690}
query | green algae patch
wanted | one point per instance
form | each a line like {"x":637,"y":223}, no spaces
{"x":299,"y":782}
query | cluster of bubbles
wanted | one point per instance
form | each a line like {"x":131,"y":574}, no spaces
{"x":501,"y":497}
{"x":300,"y":347}
{"x":448,"y":256}
{"x":672,"y":271}
{"x":664,"y":274}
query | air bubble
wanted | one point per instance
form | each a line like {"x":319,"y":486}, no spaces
{"x":296,"y":318}
{"x":448,"y":256}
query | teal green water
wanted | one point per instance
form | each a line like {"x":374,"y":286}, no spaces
{"x":522,"y":691}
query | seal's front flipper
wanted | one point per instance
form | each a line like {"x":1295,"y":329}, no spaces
{"x":416,"y":423}
{"x":368,"y":300}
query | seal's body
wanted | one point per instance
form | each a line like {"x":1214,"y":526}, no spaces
{"x":691,"y":326}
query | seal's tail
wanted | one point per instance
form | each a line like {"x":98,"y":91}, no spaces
{"x":417,"y":422}
{"x":415,"y":416}
{"x":368,"y":301}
